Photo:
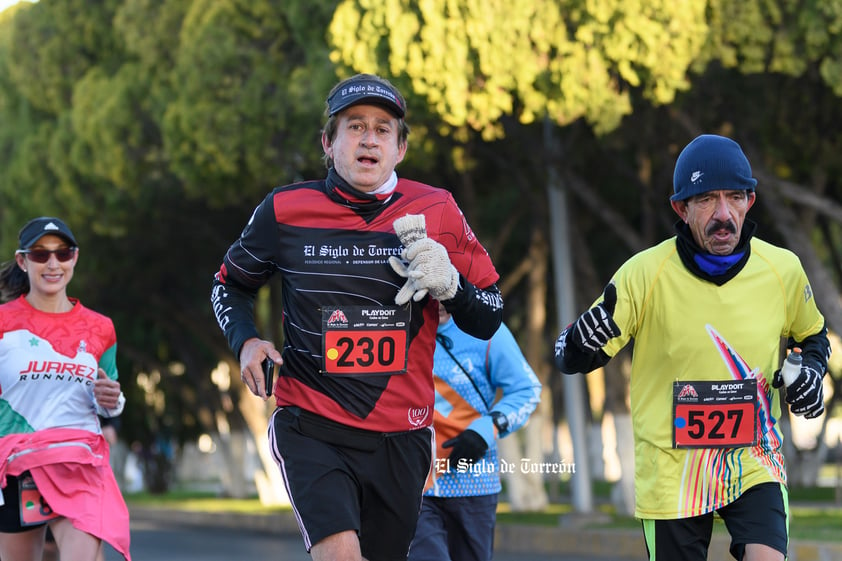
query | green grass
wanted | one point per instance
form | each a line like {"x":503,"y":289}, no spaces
{"x":201,"y":501}
{"x":816,"y":523}
{"x":547,"y":517}
{"x":812,"y":494}
{"x":808,"y":523}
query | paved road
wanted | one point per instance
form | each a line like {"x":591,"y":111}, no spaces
{"x":152,"y":541}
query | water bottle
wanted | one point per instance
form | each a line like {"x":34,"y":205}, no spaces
{"x":791,"y":368}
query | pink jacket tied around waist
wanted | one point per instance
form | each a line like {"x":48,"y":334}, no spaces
{"x":72,"y":471}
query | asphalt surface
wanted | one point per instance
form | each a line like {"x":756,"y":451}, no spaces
{"x":156,"y":541}
{"x":172,"y":535}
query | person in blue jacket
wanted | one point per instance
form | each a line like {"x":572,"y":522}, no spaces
{"x":459,"y":509}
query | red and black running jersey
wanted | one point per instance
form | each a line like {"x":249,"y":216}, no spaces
{"x":331,"y":246}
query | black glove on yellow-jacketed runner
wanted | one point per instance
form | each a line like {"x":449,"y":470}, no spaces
{"x":805,"y":395}
{"x":579,"y":347}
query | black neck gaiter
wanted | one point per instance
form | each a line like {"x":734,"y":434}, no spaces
{"x":717,"y":269}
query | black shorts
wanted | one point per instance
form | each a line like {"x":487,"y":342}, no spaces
{"x":760,"y":515}
{"x":340,"y":478}
{"x":10,"y":511}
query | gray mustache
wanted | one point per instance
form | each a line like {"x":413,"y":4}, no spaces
{"x":721,"y":225}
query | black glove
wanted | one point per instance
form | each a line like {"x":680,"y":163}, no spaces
{"x":806,"y":394}
{"x":596,"y":326}
{"x":469,"y":445}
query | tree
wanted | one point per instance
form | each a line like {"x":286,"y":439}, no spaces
{"x":475,"y":62}
{"x":156,"y":127}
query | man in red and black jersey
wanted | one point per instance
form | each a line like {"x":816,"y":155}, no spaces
{"x":364,"y":257}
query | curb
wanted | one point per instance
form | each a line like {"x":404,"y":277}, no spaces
{"x":628,"y":544}
{"x":610,"y":544}
{"x":614,"y":544}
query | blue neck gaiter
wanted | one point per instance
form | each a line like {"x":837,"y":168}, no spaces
{"x":716,"y":264}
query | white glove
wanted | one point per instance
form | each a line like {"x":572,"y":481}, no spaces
{"x":425,"y":264}
{"x":430,"y":269}
{"x":410,"y":229}
{"x":407,"y":291}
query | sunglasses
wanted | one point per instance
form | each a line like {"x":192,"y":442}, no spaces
{"x":63,"y":254}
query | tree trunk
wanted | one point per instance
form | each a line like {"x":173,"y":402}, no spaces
{"x":270,"y":485}
{"x":623,"y":496}
{"x":617,"y":375}
{"x":526,"y":490}
{"x":232,"y":448}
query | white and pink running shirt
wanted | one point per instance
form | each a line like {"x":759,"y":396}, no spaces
{"x":48,"y":364}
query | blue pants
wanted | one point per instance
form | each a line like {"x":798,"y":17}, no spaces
{"x":456,"y":528}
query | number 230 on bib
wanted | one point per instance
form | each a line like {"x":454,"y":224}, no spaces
{"x":361,"y":340}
